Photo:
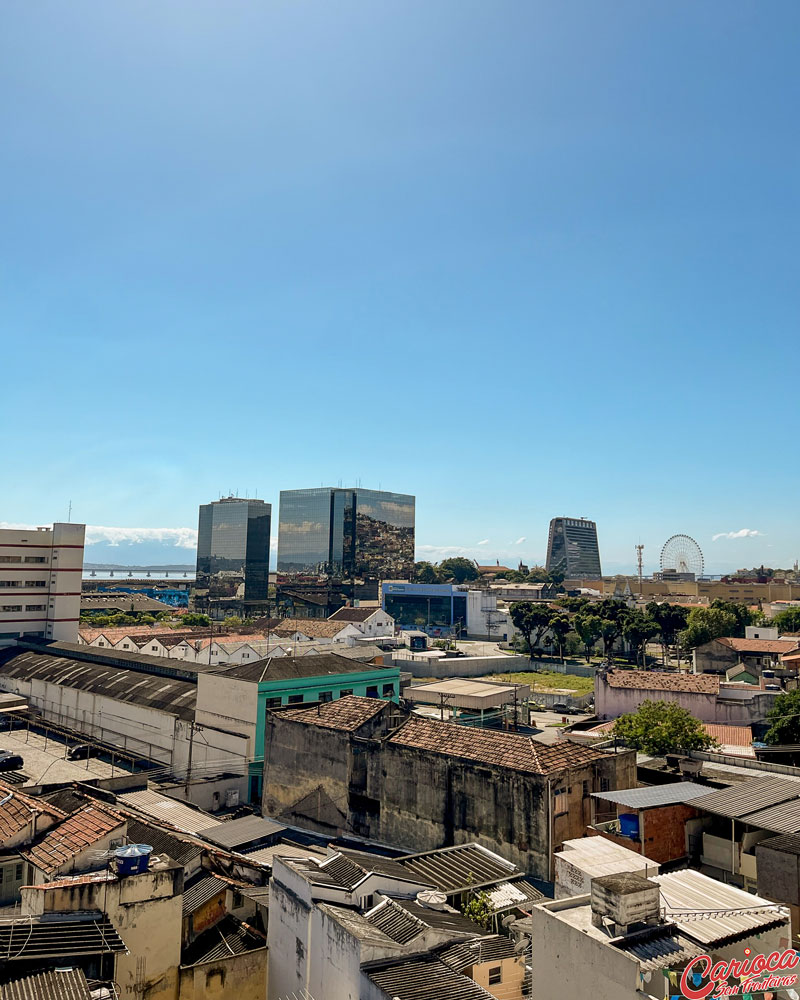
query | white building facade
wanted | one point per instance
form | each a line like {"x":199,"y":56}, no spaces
{"x":40,"y":582}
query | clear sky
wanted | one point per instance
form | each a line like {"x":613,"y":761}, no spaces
{"x":518,"y":258}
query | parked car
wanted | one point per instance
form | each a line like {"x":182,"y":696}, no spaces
{"x":82,"y":751}
{"x":10,"y":761}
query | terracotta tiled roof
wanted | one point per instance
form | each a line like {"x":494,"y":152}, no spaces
{"x":314,"y":628}
{"x":646,"y":680}
{"x":17,"y":812}
{"x":486,"y":746}
{"x":352,"y":614}
{"x":346,"y":713}
{"x":760,"y":645}
{"x":74,"y":835}
{"x":732,"y":736}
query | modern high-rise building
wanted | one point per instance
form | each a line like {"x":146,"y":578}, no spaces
{"x":572,"y":548}
{"x":351,"y":535}
{"x":40,"y":582}
{"x":233,"y":551}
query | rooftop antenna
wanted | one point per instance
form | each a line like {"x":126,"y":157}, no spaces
{"x":639,"y":550}
{"x":69,"y":513}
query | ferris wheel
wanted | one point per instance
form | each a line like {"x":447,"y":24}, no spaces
{"x":682,"y":554}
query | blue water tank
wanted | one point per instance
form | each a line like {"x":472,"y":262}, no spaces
{"x":133,"y":859}
{"x":629,"y":825}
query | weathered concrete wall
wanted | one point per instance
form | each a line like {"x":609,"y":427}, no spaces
{"x":714,"y":658}
{"x":238,"y":977}
{"x":462,"y":666}
{"x":611,"y":702}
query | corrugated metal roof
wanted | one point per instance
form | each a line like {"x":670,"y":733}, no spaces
{"x":788,"y":844}
{"x":60,"y":936}
{"x":168,"y":810}
{"x":659,"y":948}
{"x":165,"y":694}
{"x":508,"y":895}
{"x":395,"y":922}
{"x":240,"y":832}
{"x":467,"y":865}
{"x":227,"y":938}
{"x":426,"y":979}
{"x":596,"y":856}
{"x":711,"y":911}
{"x":200,"y":891}
{"x":783,"y":818}
{"x":465,"y":954}
{"x":54,"y":984}
{"x":266,"y":855}
{"x":654,"y":795}
{"x":748,"y":797}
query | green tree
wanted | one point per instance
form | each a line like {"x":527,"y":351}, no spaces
{"x":743,"y":615}
{"x":659,"y":727}
{"x":784,"y":720}
{"x":705,"y":624}
{"x":192,"y":618}
{"x":478,"y":909}
{"x":612,"y":618}
{"x":670,"y":618}
{"x":574,"y":605}
{"x":531,"y":621}
{"x":514,"y":576}
{"x":560,"y":625}
{"x":589,"y":629}
{"x":638,"y":628}
{"x":787,"y":621}
{"x":538,"y":574}
{"x":425,"y":572}
{"x":232,"y":621}
{"x":458,"y":569}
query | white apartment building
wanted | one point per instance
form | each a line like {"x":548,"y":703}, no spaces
{"x":40,"y":582}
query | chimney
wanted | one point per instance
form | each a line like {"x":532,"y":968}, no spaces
{"x":624,"y":901}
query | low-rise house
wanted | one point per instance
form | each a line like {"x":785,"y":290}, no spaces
{"x":23,"y":819}
{"x":370,"y":621}
{"x":631,"y":937}
{"x":756,"y":652}
{"x":74,"y":844}
{"x":361,"y":767}
{"x":703,"y":695}
{"x":653,"y":820}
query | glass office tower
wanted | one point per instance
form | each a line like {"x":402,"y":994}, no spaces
{"x":233,"y":549}
{"x":346,"y":534}
{"x":572,"y":548}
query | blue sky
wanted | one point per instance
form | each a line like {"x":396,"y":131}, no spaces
{"x":520,"y":259}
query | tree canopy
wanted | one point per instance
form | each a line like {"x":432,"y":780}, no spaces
{"x":425,"y":572}
{"x":659,"y":727}
{"x":787,"y":621}
{"x":705,"y":624}
{"x":784,"y":719}
{"x":531,"y":620}
{"x":458,"y":569}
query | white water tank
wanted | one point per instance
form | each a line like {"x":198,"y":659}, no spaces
{"x":432,"y":899}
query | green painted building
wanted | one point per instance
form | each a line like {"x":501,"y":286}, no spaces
{"x":237,"y":697}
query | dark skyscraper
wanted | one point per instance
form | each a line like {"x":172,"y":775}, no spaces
{"x":233,"y":550}
{"x":346,"y":534}
{"x":572,"y":548}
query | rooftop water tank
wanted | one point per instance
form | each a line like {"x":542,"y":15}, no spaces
{"x":432,"y":899}
{"x":133,"y":859}
{"x":629,"y":825}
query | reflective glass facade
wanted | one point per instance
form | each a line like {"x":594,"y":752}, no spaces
{"x":572,"y":548}
{"x":346,"y":534}
{"x":233,"y":549}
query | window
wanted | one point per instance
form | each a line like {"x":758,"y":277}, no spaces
{"x":36,"y":583}
{"x":10,"y":559}
{"x":35,"y":559}
{"x":12,"y":607}
{"x":560,"y":807}
{"x":605,"y":785}
{"x":154,"y":647}
{"x":9,"y":583}
{"x":388,"y":690}
{"x":295,"y":699}
{"x":495,"y":975}
{"x":345,"y":692}
{"x":326,"y":696}
{"x":36,"y":607}
{"x":126,"y":645}
{"x":273,"y":702}
{"x":245,"y":656}
{"x":372,"y":692}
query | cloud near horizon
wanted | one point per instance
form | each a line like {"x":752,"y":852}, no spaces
{"x":96,"y":534}
{"x":741,"y":533}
